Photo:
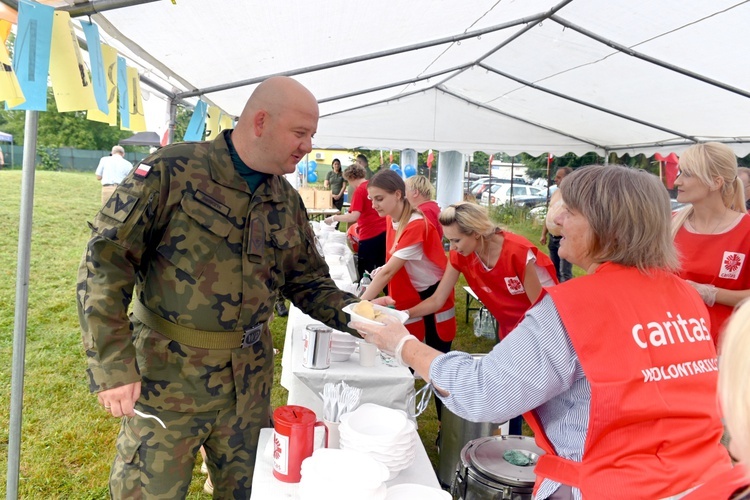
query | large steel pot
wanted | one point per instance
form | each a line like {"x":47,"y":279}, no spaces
{"x":485,"y":474}
{"x":455,"y":432}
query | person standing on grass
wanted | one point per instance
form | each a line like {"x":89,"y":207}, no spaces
{"x":336,"y":183}
{"x":200,"y":238}
{"x":563,"y":268}
{"x":111,"y":171}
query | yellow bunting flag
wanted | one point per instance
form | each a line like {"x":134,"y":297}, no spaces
{"x":135,"y":104}
{"x":212,"y":123}
{"x":71,"y":82}
{"x":225,"y":122}
{"x":10,"y":90}
{"x":109,"y":58}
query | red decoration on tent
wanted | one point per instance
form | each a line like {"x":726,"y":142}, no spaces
{"x":430,"y":159}
{"x":669,"y":167}
{"x":165,"y":137}
{"x":491,"y":158}
{"x":390,"y":158}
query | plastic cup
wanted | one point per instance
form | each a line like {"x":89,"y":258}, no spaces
{"x":367,"y":354}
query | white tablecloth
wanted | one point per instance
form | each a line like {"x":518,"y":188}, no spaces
{"x":266,"y":486}
{"x":390,"y":386}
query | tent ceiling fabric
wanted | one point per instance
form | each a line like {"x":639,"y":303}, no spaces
{"x":537,"y":86}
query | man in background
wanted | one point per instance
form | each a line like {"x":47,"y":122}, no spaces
{"x":112,"y":170}
{"x":563,"y":268}
{"x":363,"y":162}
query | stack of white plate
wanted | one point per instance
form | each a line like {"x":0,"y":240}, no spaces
{"x":331,"y":474}
{"x":342,"y":345}
{"x":384,"y":434}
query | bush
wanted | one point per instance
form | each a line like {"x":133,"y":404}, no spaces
{"x":49,"y":159}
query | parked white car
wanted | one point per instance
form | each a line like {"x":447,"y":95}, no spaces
{"x":500,"y":194}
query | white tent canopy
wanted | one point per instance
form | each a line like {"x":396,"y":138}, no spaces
{"x":627,"y":76}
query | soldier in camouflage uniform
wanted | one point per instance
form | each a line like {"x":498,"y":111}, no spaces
{"x":199,"y":237}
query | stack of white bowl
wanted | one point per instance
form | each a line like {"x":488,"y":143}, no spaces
{"x":342,"y":345}
{"x":385,"y":434}
{"x":331,"y":474}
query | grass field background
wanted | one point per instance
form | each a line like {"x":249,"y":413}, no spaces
{"x":67,"y":439}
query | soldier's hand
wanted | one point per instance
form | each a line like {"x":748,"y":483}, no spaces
{"x":120,"y":401}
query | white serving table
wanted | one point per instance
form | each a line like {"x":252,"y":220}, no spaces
{"x":390,"y":386}
{"x":267,"y":487}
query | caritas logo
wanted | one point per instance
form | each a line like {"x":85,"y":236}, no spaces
{"x":731,"y":265}
{"x":515,"y":286}
{"x":280,"y":453}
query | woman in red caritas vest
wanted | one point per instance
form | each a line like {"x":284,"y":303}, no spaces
{"x":713,"y":233}
{"x":415,"y":262}
{"x":615,"y":371}
{"x":505,"y":270}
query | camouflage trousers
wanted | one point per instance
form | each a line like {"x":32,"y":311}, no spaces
{"x":157,"y":463}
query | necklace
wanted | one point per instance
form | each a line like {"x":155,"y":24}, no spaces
{"x":716,"y":227}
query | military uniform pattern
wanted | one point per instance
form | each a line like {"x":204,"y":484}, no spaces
{"x":198,"y":249}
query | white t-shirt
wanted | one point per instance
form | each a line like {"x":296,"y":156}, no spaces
{"x":422,"y":272}
{"x":113,"y":169}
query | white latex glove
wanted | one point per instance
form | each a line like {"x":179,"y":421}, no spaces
{"x":707,"y":292}
{"x":386,"y":337}
{"x":329,"y":220}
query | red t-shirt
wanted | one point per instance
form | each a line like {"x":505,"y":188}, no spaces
{"x":431,"y":211}
{"x":370,"y":224}
{"x":719,"y":260}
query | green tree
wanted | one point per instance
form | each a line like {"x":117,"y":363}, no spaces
{"x":57,"y":129}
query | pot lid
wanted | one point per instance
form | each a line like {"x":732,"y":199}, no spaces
{"x":490,"y":456}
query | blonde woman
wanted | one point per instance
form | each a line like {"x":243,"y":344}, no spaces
{"x":713,"y":234}
{"x":419,"y":193}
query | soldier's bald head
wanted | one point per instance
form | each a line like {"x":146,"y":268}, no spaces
{"x":275,"y":129}
{"x":279,"y":93}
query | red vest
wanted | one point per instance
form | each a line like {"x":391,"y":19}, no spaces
{"x":400,"y":286}
{"x":722,"y":487}
{"x":501,"y":288}
{"x":644,"y":344}
{"x":718,"y":259}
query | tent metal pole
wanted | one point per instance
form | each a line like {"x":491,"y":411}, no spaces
{"x":367,"y":57}
{"x":649,"y":59}
{"x":22,"y":303}
{"x":517,"y":118}
{"x":172,"y":119}
{"x":534,"y":86}
{"x":391,"y":85}
{"x":97,"y":6}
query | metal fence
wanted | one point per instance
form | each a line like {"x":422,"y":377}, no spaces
{"x":82,"y":160}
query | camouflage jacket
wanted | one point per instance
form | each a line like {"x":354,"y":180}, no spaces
{"x":201,"y":252}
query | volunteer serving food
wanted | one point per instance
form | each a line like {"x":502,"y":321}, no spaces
{"x":615,"y":371}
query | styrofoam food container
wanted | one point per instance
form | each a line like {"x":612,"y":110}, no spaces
{"x":346,"y":468}
{"x":402,"y":316}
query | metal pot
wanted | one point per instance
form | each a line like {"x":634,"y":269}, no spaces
{"x":484,"y":473}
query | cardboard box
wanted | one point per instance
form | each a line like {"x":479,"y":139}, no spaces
{"x":308,"y":197}
{"x":323,"y":199}
{"x":314,"y":198}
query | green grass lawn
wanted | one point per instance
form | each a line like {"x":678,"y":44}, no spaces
{"x":68,"y":440}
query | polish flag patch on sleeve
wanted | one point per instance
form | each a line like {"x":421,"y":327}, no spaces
{"x":142,"y":170}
